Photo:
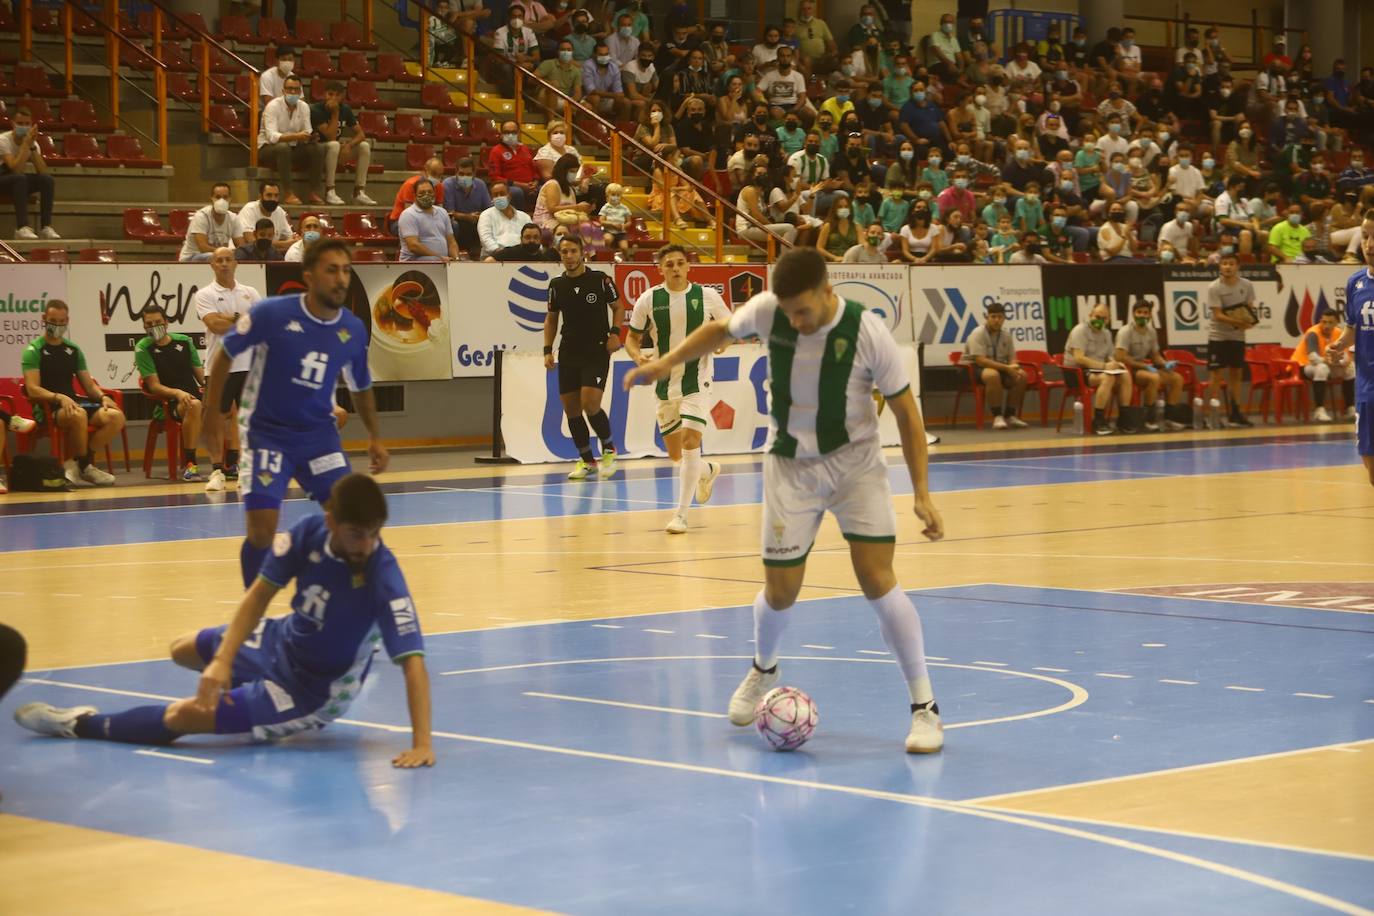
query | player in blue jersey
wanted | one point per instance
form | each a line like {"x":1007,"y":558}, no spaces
{"x":1359,"y":332}
{"x":274,"y":677}
{"x":301,"y":344}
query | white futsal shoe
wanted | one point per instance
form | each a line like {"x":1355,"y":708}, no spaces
{"x":927,"y":735}
{"x":215,"y":483}
{"x":98,"y":477}
{"x":676,"y":525}
{"x":707,"y":483}
{"x":55,"y":721}
{"x":745,"y":699}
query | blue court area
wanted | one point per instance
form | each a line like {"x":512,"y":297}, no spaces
{"x":585,"y":767}
{"x":40,"y":526}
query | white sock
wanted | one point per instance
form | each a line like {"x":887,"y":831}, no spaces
{"x":768,"y":629}
{"x":901,"y":628}
{"x":692,"y":468}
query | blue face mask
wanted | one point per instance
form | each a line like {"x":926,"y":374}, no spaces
{"x":311,"y":235}
{"x":500,"y":203}
{"x":1060,"y":222}
{"x":464,"y":181}
{"x":21,"y":131}
{"x":919,"y":96}
{"x":874,"y":101}
{"x":841,"y":98}
{"x":1294,"y":218}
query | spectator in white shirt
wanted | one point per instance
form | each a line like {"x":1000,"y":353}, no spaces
{"x":310,"y":233}
{"x":285,"y":139}
{"x":1187,"y":183}
{"x":499,"y":225}
{"x":271,"y":81}
{"x":557,"y":147}
{"x":267,"y":206}
{"x":1180,"y":232}
{"x":1114,"y":138}
{"x":515,"y":39}
{"x":211,"y":227}
{"x":1233,"y":213}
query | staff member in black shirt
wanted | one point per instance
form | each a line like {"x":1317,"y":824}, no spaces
{"x":584,"y":299}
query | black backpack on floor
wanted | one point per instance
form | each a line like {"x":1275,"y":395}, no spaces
{"x":34,"y":474}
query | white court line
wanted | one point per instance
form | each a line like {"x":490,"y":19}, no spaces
{"x":1153,"y":645}
{"x":1169,"y":680}
{"x":608,"y":626}
{"x":1245,"y":689}
{"x":1135,"y":557}
{"x":1124,"y":677}
{"x":1316,"y":696}
{"x":992,"y":664}
{"x":813,"y":646}
{"x":710,"y":636}
{"x":661,"y":632}
{"x":680,"y":712}
{"x":952,"y":807}
{"x":1053,"y":670}
{"x":935,"y":658}
{"x":184,"y":758}
{"x":183,"y":599}
{"x":873,"y":652}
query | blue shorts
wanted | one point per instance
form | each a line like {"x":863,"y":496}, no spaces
{"x":267,"y":702}
{"x":1364,"y":427}
{"x":269,"y":463}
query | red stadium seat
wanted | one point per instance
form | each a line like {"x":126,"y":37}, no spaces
{"x":391,"y":66}
{"x":129,"y":152}
{"x":350,"y":35}
{"x":453,"y":152}
{"x":363,"y":93}
{"x":354,"y":65}
{"x":366,"y":255}
{"x":179,"y":222}
{"x":484,"y":130}
{"x":46,"y":21}
{"x":98,"y":255}
{"x":311,"y":32}
{"x":32,"y":79}
{"x":236,"y":28}
{"x":318,"y":64}
{"x":417,"y":154}
{"x":219,"y":61}
{"x":48,"y":255}
{"x":226,"y":120}
{"x":446,"y":128}
{"x":412,"y":127}
{"x":968,"y":385}
{"x":43,"y":115}
{"x":145,"y":225}
{"x":1034,"y":362}
{"x":48,"y":148}
{"x":362,"y":227}
{"x":180,"y":87}
{"x":436,"y":95}
{"x":80,"y":114}
{"x":271,"y":30}
{"x":376,"y":126}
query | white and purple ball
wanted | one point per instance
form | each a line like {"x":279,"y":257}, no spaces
{"x":785,"y":717}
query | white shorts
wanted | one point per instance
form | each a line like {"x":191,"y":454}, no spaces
{"x":851,"y":483}
{"x":688,"y":410}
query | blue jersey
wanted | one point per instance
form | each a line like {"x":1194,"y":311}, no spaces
{"x":297,"y":360}
{"x":1359,"y":314}
{"x":338,"y":616}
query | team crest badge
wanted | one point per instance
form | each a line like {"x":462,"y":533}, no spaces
{"x":779,"y":529}
{"x":344,"y":335}
{"x":281,"y":544}
{"x":841,"y":345}
{"x":265,"y":479}
{"x":243,"y":324}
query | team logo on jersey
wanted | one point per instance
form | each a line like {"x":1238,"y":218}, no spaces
{"x":295,"y":326}
{"x":243,"y":324}
{"x":281,"y":544}
{"x":591,"y":298}
{"x":841,"y":345}
{"x":344,"y":335}
{"x":265,"y":479}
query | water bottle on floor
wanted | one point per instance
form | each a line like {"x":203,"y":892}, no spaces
{"x":1159,"y":411}
{"x":1078,"y":418}
{"x":1199,"y":422}
{"x":1214,"y":414}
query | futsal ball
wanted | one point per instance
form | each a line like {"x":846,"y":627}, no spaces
{"x":785,"y":717}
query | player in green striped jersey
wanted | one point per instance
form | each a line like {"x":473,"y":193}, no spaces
{"x":825,"y":357}
{"x":672,"y":311}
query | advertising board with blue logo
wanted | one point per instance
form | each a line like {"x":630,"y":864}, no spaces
{"x":885,"y":291}
{"x":1187,"y":315}
{"x":534,"y":428}
{"x":497,"y":307}
{"x":949,"y":302}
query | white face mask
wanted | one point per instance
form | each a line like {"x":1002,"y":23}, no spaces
{"x":517,"y":24}
{"x":980,"y":100}
{"x":286,"y":66}
{"x":220,"y":205}
{"x":557,"y":139}
{"x":1136,"y":162}
{"x":655,"y":116}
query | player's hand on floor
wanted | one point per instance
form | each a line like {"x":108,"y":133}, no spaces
{"x":934,"y":525}
{"x":413,"y":758}
{"x":214,"y":680}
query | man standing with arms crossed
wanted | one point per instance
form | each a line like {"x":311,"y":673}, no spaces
{"x":825,"y":357}
{"x":675,"y":308}
{"x":1231,"y":304}
{"x":301,"y":344}
{"x":1359,"y":332}
{"x":219,"y":306}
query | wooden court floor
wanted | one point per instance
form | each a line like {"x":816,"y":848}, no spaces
{"x":1090,"y":528}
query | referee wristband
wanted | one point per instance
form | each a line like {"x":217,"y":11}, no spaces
{"x":548,"y":351}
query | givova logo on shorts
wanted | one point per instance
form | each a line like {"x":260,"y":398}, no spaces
{"x":950,"y":320}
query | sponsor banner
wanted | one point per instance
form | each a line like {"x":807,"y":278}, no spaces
{"x":951,"y":301}
{"x":1073,"y":290}
{"x":736,"y":283}
{"x":885,"y":291}
{"x":1307,"y":291}
{"x":107,"y":302}
{"x":26,"y":292}
{"x":1187,"y":316}
{"x":498,"y":307}
{"x":535,"y":430}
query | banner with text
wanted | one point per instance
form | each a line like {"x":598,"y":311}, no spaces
{"x":535,"y":429}
{"x":1188,"y":316}
{"x":950,"y":301}
{"x":736,"y":283}
{"x":107,"y":302}
{"x":22,"y":299}
{"x":1073,"y":290}
{"x":497,"y":307}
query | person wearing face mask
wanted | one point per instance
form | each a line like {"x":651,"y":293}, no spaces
{"x":784,"y":89}
{"x":1233,"y":214}
{"x":466,"y":197}
{"x":839,"y":233}
{"x":602,"y":88}
{"x":1181,"y":233}
{"x":752,"y":222}
{"x":1183,"y":92}
{"x":943,"y":50}
{"x":1286,"y":238}
{"x":1090,"y":347}
{"x":816,"y":47}
{"x":258,"y":245}
{"x":211,"y":227}
{"x":1187,"y":184}
{"x":840,"y":103}
{"x":559,"y":145}
{"x":870,"y":248}
{"x":310,"y":234}
{"x":425,"y":230}
{"x":558,"y":198}
{"x":1314,"y":187}
{"x":516,"y":40}
{"x":500,"y":225}
{"x":1243,"y":156}
{"x":719,"y":57}
{"x":1225,"y":111}
{"x":1023,"y":72}
{"x":512,"y":163}
{"x":286,"y":140}
{"x":1128,"y":61}
{"x":337,"y":130}
{"x":443,"y":39}
{"x":868,"y":26}
{"x":692,"y":82}
{"x":623,"y":43}
{"x":1137,"y":348}
{"x":1116,"y":237}
{"x":172,"y":374}
{"x":19,"y":148}
{"x":639,"y":25}
{"x":530,"y":248}
{"x":271,"y":81}
{"x":563,"y":73}
{"x":50,"y":364}
{"x":641,"y":81}
{"x":958,"y":196}
{"x":923,"y":123}
{"x":267,"y":206}
{"x":765,"y":52}
{"x":1117,"y":106}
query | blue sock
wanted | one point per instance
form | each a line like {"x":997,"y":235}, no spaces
{"x":140,"y":725}
{"x":250,"y":561}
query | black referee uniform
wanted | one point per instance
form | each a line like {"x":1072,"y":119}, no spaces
{"x":583,"y":304}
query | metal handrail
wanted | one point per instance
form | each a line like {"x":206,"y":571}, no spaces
{"x":618,"y":139}
{"x":5,"y":247}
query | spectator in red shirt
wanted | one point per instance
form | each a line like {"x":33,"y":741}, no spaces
{"x":958,"y":197}
{"x":1278,"y":56}
{"x":512,"y":162}
{"x":434,"y":171}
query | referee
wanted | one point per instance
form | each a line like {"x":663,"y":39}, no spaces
{"x":584,"y":299}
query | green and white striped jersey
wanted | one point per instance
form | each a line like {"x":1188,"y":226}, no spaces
{"x":821,"y":384}
{"x":672,"y":317}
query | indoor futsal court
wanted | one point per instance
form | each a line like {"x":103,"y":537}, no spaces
{"x":1152,"y":656}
